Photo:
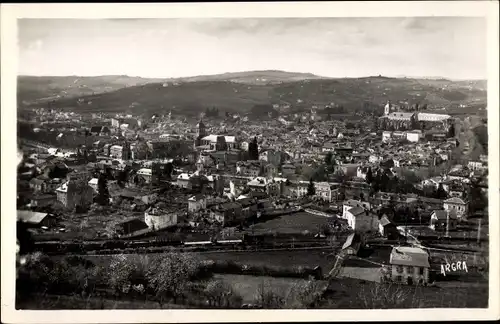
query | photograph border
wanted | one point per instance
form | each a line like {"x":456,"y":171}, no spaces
{"x":11,"y":12}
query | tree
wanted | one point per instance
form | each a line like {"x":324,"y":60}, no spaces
{"x":168,"y":169}
{"x":102,"y":190}
{"x":169,"y":274}
{"x":369,"y":176}
{"x":328,"y":158}
{"x":311,"y":190}
{"x":267,"y":298}
{"x":253,"y":149}
{"x":221,"y":294}
{"x":441,"y":193}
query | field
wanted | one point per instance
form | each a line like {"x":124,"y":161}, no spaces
{"x":347,"y":293}
{"x":309,"y":258}
{"x":250,"y":286}
{"x":291,"y":224}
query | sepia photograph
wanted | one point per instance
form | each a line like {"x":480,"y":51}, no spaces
{"x":224,"y":162}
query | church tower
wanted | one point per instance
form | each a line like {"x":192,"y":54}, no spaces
{"x":201,"y":130}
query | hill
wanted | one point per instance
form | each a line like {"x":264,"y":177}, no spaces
{"x":191,"y":97}
{"x":42,"y":89}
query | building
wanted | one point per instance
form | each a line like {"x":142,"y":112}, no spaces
{"x":131,"y":227}
{"x":387,"y":228}
{"x":197,"y":203}
{"x":119,"y":152}
{"x":248,"y":168}
{"x":228,"y":214}
{"x":362,"y":171}
{"x":34,"y":219}
{"x":288,"y":170}
{"x":408,"y":265}
{"x":100,"y":131}
{"x":352,"y":244}
{"x":146,"y":174}
{"x":351,"y":203}
{"x":323,"y":190}
{"x":361,"y":220}
{"x":457,"y":206}
{"x":271,"y":156}
{"x":94,"y":183}
{"x":72,"y":194}
{"x":414,"y":136}
{"x":183,"y":180}
{"x":442,"y":220}
{"x":156,"y":218}
{"x":212,"y":140}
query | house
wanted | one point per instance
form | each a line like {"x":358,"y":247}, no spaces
{"x":156,"y":218}
{"x":362,"y":171}
{"x":323,"y":190}
{"x":248,"y":207}
{"x":94,"y":184}
{"x":414,"y":136}
{"x":258,"y":184}
{"x":386,"y":136}
{"x":144,"y":196}
{"x":183,"y":180}
{"x":72,"y":194}
{"x":408,"y":265}
{"x":351,"y":203}
{"x":119,"y":152}
{"x":361,"y":220}
{"x":197,"y":203}
{"x":228,"y":213}
{"x":349,"y":169}
{"x":270,"y":170}
{"x":271,"y":156}
{"x":42,"y":200}
{"x":37,"y":185}
{"x":442,"y":220}
{"x":352,"y":244}
{"x":212,"y":140}
{"x":248,"y":168}
{"x":34,"y":219}
{"x":288,"y":170}
{"x":475,"y":165}
{"x":146,"y":174}
{"x":457,"y":205}
{"x":387,"y":228}
{"x":100,"y":130}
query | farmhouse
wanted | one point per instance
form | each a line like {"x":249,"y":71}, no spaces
{"x":409,"y":265}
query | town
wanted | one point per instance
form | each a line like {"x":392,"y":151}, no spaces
{"x":338,"y":200}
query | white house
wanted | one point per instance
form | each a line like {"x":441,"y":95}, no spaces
{"x":351,"y":203}
{"x":386,"y":136}
{"x":146,"y":174}
{"x":157,"y":219}
{"x":183,"y":180}
{"x":413,"y":136}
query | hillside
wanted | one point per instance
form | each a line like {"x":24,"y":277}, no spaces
{"x":47,"y":88}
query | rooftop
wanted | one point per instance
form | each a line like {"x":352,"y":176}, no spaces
{"x":409,"y":256}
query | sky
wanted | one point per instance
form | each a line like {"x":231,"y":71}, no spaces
{"x":451,"y":47}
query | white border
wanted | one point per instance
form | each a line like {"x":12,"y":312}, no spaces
{"x":11,"y":12}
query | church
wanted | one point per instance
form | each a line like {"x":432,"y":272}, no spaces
{"x":399,"y":120}
{"x":213,"y":142}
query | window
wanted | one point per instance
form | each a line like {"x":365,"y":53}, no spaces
{"x":399,"y":278}
{"x":421,"y":271}
{"x":399,"y":269}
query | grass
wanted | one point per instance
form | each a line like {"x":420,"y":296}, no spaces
{"x":291,"y":224}
{"x":349,"y":293}
{"x":248,"y":287}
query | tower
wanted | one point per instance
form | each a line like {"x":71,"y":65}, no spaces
{"x":387,"y":108}
{"x":200,"y":129}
